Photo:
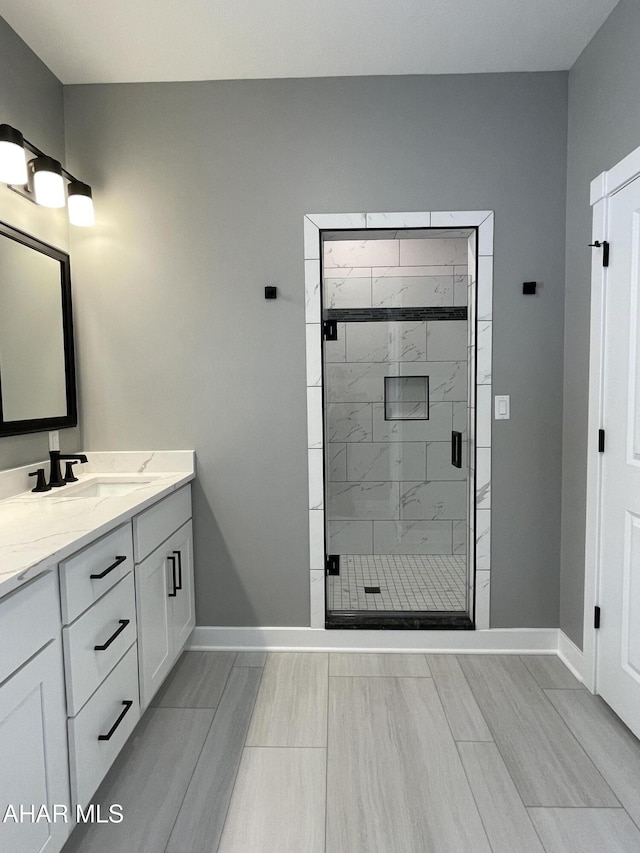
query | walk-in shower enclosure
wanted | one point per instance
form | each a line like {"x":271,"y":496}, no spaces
{"x":399,"y":371}
{"x":395,"y":433}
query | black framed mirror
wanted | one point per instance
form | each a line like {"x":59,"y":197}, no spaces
{"x":37,"y":363}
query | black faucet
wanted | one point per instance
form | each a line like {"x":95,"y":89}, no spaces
{"x":55,"y":474}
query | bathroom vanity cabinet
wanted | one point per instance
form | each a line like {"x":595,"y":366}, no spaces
{"x":85,"y":645}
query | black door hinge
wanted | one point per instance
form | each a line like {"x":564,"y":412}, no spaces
{"x":605,"y":250}
{"x":600,"y":441}
{"x":330,"y":330}
{"x":596,"y":617}
{"x":333,"y":564}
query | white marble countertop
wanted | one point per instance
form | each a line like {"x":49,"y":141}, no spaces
{"x":39,"y":530}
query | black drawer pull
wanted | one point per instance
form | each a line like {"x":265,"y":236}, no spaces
{"x":109,"y":569}
{"x":179,"y":555}
{"x":173,"y":577}
{"x":118,"y":631}
{"x":456,"y":449}
{"x":127,"y":707}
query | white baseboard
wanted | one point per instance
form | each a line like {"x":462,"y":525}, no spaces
{"x":495,"y":640}
{"x":570,"y":655}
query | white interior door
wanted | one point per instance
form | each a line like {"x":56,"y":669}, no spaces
{"x":618,"y":665}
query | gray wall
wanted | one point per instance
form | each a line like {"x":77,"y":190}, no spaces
{"x":604,"y":126}
{"x":200,"y":193}
{"x":31,"y":100}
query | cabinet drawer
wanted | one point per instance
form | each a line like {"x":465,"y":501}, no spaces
{"x":157,"y":523}
{"x":78,"y":589}
{"x":29,"y":618}
{"x":90,"y":757}
{"x":102,"y":625}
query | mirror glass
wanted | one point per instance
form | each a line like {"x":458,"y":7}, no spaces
{"x":37,"y":377}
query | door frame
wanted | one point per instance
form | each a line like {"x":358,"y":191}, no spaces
{"x":602,"y":188}
{"x":481,"y":294}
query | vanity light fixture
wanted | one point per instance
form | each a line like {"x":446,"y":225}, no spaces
{"x":48,"y":186}
{"x":42,"y":179}
{"x":80,"y":204}
{"x":13,"y":161}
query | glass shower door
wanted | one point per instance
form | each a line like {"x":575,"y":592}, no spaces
{"x":396,"y":384}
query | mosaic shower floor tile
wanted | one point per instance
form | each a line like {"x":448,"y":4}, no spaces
{"x":410,"y":582}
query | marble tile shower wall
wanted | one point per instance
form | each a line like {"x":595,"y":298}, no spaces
{"x":391,"y":488}
{"x":395,"y":273}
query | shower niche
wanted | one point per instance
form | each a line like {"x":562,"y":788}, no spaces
{"x":406,"y":398}
{"x":398,"y":368}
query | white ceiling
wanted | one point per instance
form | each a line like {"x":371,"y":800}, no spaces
{"x":96,"y":41}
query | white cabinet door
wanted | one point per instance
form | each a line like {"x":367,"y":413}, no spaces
{"x":34,"y":767}
{"x":165,"y":607}
{"x":155,"y":632}
{"x":183,"y":614}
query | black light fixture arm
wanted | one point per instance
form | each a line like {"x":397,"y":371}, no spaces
{"x":38,"y":153}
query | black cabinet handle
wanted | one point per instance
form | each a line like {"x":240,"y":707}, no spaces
{"x":108,"y":569}
{"x":118,"y":631}
{"x":127,"y":707}
{"x":173,"y":577}
{"x":179,"y":555}
{"x":456,"y":449}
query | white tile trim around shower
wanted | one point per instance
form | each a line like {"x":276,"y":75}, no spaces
{"x":483,"y":281}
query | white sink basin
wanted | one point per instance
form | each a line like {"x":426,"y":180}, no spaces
{"x":100,"y":488}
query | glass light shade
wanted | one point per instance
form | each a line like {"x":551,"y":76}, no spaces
{"x":80,"y":204}
{"x":13,"y":162}
{"x":48,"y":184}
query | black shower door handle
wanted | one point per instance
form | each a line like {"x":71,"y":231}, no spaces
{"x":456,"y":449}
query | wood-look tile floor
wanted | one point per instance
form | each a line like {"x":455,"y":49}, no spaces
{"x":372,"y":753}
